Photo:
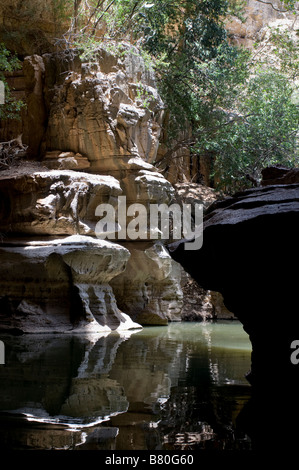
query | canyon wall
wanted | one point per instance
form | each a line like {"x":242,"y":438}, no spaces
{"x":253,"y":26}
{"x":93,"y":129}
{"x":92,"y":133}
{"x":34,"y":26}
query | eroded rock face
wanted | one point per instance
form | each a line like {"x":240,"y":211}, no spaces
{"x":110,"y":113}
{"x":27,"y":85}
{"x":54,"y":202}
{"x":279,"y":175}
{"x":98,"y":141}
{"x":33,"y":26}
{"x":61,"y":285}
{"x":149,"y":289}
{"x":106,"y":110}
{"x":57,"y":160}
{"x":58,"y":203}
{"x":258,"y":16}
{"x":250,"y":256}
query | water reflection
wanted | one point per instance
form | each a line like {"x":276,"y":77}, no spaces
{"x":173,"y":387}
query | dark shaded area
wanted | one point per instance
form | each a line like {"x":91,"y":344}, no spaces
{"x":250,"y":254}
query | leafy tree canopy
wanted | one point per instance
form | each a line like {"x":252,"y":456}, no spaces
{"x":8,"y":63}
{"x":240,"y":106}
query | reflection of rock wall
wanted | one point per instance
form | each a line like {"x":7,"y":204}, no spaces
{"x":120,"y":390}
{"x":73,"y":394}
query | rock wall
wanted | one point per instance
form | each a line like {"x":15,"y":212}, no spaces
{"x":61,"y":286}
{"x":108,"y":109}
{"x":27,"y":85}
{"x":57,"y":202}
{"x":95,"y":128}
{"x":34,"y":26}
{"x":150,"y":287}
{"x":258,"y":17}
{"x":39,"y":205}
{"x":97,"y":142}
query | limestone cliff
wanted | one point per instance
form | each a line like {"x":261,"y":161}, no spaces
{"x":61,"y":285}
{"x":95,"y":124}
{"x":258,"y":17}
{"x":34,"y":26}
{"x":92,"y":130}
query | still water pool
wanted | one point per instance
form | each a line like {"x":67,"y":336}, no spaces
{"x":174,"y":387}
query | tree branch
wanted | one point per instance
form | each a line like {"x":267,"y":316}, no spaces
{"x":10,"y":151}
{"x":99,"y":19}
{"x":273,"y":6}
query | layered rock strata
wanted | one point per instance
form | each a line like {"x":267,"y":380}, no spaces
{"x":106,"y":108}
{"x":96,"y":136}
{"x":45,"y":204}
{"x":61,"y":285}
{"x":53,"y":202}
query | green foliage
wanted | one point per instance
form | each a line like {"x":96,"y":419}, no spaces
{"x":264,"y":133}
{"x":184,"y":37}
{"x":290,"y":4}
{"x":8,"y":63}
{"x":264,"y":128}
{"x":241,"y":107}
{"x":159,"y":26}
{"x":286,"y":50}
{"x":183,"y":28}
{"x":237,"y":8}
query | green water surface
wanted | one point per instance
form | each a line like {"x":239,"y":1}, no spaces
{"x":175,"y":387}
